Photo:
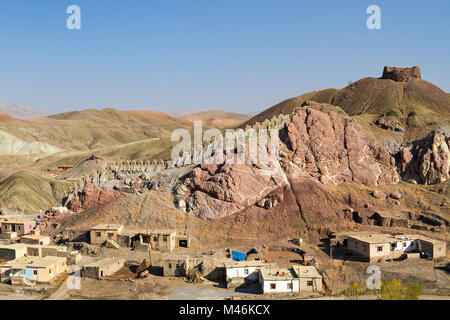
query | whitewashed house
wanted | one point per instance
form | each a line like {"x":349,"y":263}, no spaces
{"x":275,"y":280}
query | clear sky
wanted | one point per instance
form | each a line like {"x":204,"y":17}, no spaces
{"x":239,"y":55}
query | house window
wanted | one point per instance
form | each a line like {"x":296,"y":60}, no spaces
{"x":380,"y":249}
{"x":309,"y":283}
{"x":35,"y":272}
{"x":289,"y":286}
{"x":155,"y":239}
{"x":245,"y":271}
{"x":405,"y":244}
{"x":170,"y":266}
{"x":98,"y":234}
{"x":165,"y":238}
{"x":273,"y":286}
{"x":110,"y":235}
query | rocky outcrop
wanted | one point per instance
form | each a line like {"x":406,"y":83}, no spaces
{"x":91,"y":197}
{"x":401,"y":74}
{"x":389,"y":124}
{"x":428,"y":160}
{"x":335,"y":149}
{"x":217,"y":191}
{"x":325,"y":147}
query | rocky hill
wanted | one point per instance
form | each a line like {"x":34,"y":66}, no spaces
{"x":379,"y":145}
{"x":418,"y":105}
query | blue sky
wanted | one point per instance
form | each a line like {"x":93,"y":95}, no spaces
{"x":238,"y":55}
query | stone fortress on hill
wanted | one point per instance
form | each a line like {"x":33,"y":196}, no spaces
{"x":401,"y":74}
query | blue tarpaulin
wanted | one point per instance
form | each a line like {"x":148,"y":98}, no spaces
{"x":238,"y":256}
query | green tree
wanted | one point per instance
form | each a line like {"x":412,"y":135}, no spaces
{"x":393,"y":290}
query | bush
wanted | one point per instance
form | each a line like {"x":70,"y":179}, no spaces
{"x":354,"y":291}
{"x":413,"y":290}
{"x":392,"y":290}
{"x":397,"y":290}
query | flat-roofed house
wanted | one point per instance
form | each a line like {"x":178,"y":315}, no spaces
{"x":13,"y":251}
{"x":378,"y":246}
{"x":278,"y":280}
{"x":72,"y":257}
{"x":35,"y":239}
{"x":20,"y":227}
{"x":310,"y":280}
{"x":33,"y":268}
{"x":162,"y":240}
{"x":178,"y":265}
{"x":369,"y":246}
{"x":103,"y":268}
{"x":238,"y":272}
{"x":436,"y":248}
{"x":103,"y":232}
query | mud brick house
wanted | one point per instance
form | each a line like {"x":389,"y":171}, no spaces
{"x":35,"y":239}
{"x":21,"y":227}
{"x":12,"y":251}
{"x":162,"y":240}
{"x":33,"y":268}
{"x":72,"y":257}
{"x":310,"y":280}
{"x":103,"y":232}
{"x":436,"y":248}
{"x":179,"y":265}
{"x":103,"y":268}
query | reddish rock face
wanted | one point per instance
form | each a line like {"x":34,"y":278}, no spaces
{"x":335,"y":150}
{"x":218,"y":191}
{"x":327,"y":149}
{"x":428,"y":161}
{"x":74,"y":205}
{"x":94,"y":196}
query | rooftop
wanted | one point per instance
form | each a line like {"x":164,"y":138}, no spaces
{"x":307,"y":272}
{"x":103,"y":262}
{"x":14,"y":246}
{"x":116,"y":227}
{"x":35,"y":237}
{"x":374,"y":238}
{"x":278,"y":274}
{"x":33,"y":262}
{"x":17,"y":221}
{"x":243,"y":264}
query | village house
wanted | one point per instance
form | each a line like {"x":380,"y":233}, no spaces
{"x":103,"y":232}
{"x":162,"y":240}
{"x":33,"y":268}
{"x":72,"y":257}
{"x":380,"y":246}
{"x":277,"y":280}
{"x":20,"y":227}
{"x":12,"y":251}
{"x":238,"y":272}
{"x":436,"y":248}
{"x":35,"y":239}
{"x":103,"y":268}
{"x":179,"y":265}
{"x":310,"y":280}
